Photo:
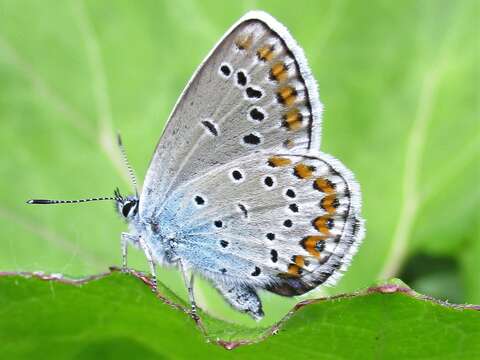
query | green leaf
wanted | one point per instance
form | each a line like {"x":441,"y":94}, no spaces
{"x":399,"y":81}
{"x":117,"y":316}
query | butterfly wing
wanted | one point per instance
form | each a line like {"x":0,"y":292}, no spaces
{"x":286,"y":223}
{"x":254,"y":91}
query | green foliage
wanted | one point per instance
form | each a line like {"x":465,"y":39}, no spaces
{"x":117,"y":316}
{"x":399,"y":81}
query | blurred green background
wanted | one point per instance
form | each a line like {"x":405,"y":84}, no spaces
{"x":400,"y":85}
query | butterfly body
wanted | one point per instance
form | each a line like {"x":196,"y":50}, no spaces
{"x":237,"y":189}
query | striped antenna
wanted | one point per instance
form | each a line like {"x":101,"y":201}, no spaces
{"x":116,"y":196}
{"x":49,"y":202}
{"x":131,"y":173}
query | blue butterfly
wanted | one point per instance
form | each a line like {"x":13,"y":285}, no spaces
{"x":237,"y":190}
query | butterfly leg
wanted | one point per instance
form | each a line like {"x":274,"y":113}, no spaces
{"x":242,"y":297}
{"x":188,"y":278}
{"x":125,"y":239}
{"x":148,"y":254}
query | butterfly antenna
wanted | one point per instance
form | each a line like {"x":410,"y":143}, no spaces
{"x":131,"y":173}
{"x":49,"y":202}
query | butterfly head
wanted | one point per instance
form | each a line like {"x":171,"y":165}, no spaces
{"x":127,"y":206}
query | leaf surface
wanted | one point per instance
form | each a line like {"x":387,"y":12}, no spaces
{"x":117,"y":316}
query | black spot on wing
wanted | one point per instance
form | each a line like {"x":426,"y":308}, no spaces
{"x":253,"y":93}
{"x":199,"y":200}
{"x":288,"y":223}
{"x":237,"y":175}
{"x":290,"y":193}
{"x":257,"y":114}
{"x":224,"y":243}
{"x":226,"y":70}
{"x":257,"y":271}
{"x":210,"y":127}
{"x":274,"y":255}
{"x":251,"y":139}
{"x":241,"y":78}
{"x":243,"y":209}
{"x":268,"y":181}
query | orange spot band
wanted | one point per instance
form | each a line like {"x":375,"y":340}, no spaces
{"x":310,"y":243}
{"x":279,"y":72}
{"x":303,"y":171}
{"x":294,"y":270}
{"x":329,"y":203}
{"x":324,"y":185}
{"x":287,"y":95}
{"x":277,"y":161}
{"x":323,"y":224}
{"x":265,"y":53}
{"x":244,"y":43}
{"x":299,"y":260}
{"x":293,"y":119}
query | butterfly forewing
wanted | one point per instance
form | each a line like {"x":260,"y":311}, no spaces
{"x":284,"y":222}
{"x":253,"y":92}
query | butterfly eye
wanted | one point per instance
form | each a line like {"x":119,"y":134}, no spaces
{"x":127,"y":207}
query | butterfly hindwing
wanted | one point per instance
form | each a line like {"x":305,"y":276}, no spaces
{"x":253,"y":92}
{"x":279,"y":221}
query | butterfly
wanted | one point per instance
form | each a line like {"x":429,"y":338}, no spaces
{"x":237,"y":190}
